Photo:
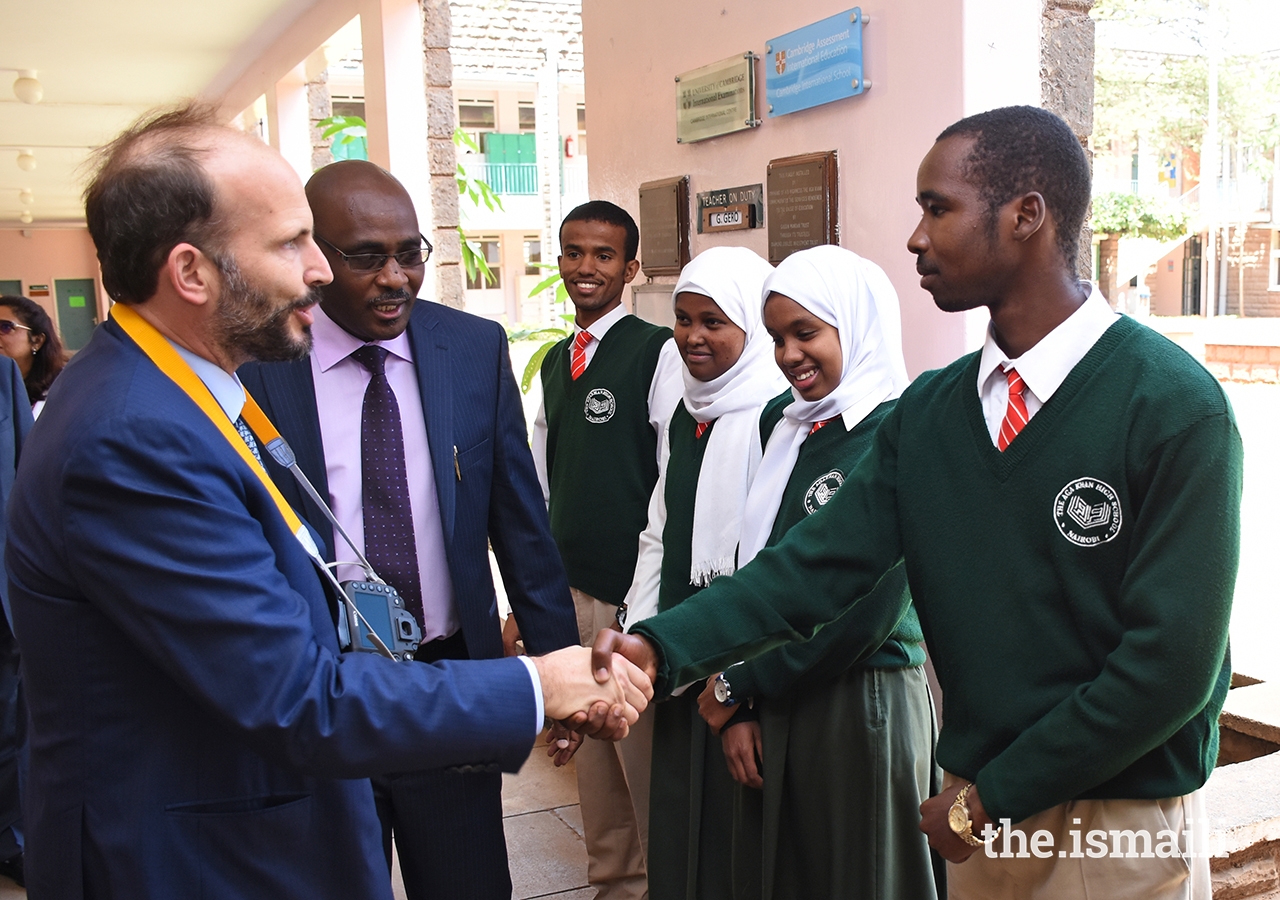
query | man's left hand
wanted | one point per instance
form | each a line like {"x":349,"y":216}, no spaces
{"x":712,"y":710}
{"x":934,"y":823}
{"x":562,"y":743}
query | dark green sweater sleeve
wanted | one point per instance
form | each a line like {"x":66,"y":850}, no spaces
{"x":1176,"y":605}
{"x":824,"y":565}
{"x":823,"y":657}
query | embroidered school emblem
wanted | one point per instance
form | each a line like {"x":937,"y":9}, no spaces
{"x":1087,"y":512}
{"x":822,"y":490}
{"x":600,"y":406}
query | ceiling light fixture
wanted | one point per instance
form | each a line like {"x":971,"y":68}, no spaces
{"x":25,"y":197}
{"x":27,"y":87}
{"x":26,"y":218}
{"x":26,"y":160}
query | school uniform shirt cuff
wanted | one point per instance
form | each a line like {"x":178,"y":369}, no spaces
{"x":537,"y":694}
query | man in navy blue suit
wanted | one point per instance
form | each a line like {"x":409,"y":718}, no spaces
{"x":469,"y":479}
{"x":15,"y":422}
{"x":195,"y":730}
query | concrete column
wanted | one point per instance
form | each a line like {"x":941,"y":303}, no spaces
{"x":391,"y":35}
{"x":1066,"y":83}
{"x":547,"y":106}
{"x":288,"y":122}
{"x":443,"y":159}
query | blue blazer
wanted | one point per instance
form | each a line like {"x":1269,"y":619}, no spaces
{"x":192,"y":721}
{"x":471,"y":403}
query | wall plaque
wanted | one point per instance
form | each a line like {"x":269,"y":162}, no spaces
{"x":730,"y":209}
{"x":802,"y":203}
{"x":664,"y":226}
{"x":816,"y":64}
{"x":716,"y":99}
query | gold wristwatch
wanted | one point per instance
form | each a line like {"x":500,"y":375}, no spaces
{"x":960,"y":822}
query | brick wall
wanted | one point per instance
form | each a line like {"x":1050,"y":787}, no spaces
{"x":497,"y":39}
{"x":1258,"y":300}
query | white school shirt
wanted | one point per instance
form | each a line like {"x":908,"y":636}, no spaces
{"x":1045,"y":366}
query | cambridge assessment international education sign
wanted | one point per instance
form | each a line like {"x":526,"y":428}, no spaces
{"x":816,"y":64}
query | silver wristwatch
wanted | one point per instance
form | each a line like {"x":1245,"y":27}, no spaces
{"x":723,"y":692}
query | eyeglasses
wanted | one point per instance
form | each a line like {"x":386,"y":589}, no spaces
{"x":7,"y":327}
{"x":373,"y":262}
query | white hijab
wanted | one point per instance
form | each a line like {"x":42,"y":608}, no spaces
{"x":733,"y":277}
{"x":855,"y":296}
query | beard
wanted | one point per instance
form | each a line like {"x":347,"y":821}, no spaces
{"x":250,"y":325}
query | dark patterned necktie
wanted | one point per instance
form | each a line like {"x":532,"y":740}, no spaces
{"x":388,"y":519}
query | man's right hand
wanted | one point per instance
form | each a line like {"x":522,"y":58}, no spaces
{"x":604,"y":709}
{"x":632,"y":646}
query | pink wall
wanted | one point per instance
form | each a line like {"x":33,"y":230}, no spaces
{"x":48,"y":255}
{"x":915,"y":57}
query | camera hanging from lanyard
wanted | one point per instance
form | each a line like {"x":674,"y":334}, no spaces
{"x":372,"y":611}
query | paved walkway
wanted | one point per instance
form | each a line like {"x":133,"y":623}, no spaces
{"x":544,"y":833}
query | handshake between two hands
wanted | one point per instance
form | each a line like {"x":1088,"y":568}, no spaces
{"x":595,"y":691}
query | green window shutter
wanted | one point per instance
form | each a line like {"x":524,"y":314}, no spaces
{"x":527,"y":148}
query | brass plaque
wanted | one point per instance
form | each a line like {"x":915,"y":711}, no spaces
{"x":801,"y":193}
{"x":728,"y":218}
{"x":664,"y":226}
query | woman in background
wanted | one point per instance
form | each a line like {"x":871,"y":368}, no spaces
{"x":27,"y":336}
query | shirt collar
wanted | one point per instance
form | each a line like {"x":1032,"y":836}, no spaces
{"x":331,"y":343}
{"x":600,"y":327}
{"x":1045,"y":366}
{"x":224,"y":386}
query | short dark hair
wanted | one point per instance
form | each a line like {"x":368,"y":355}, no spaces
{"x":48,"y":361}
{"x":610,"y":214}
{"x":151,"y":193}
{"x":1020,"y":149}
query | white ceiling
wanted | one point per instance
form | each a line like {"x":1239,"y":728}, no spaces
{"x":102,"y":64}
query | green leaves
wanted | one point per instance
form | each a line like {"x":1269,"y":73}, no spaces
{"x":476,"y":190}
{"x":1131,"y":215}
{"x":562,"y":294}
{"x":350,"y":137}
{"x":551,"y":335}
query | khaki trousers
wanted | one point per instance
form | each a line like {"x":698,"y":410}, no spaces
{"x":613,"y":788}
{"x":1110,"y":830}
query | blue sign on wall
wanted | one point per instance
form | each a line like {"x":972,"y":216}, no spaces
{"x":816,"y":64}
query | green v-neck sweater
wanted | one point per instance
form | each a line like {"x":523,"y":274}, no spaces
{"x":602,"y":455}
{"x":826,"y":458}
{"x":1074,"y":591}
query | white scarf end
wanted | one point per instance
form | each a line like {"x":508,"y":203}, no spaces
{"x":703,"y":572}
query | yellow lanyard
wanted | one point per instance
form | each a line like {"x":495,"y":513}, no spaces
{"x":169,"y":362}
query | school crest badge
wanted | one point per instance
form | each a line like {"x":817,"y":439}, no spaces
{"x":822,"y":491}
{"x":780,"y":62}
{"x":600,"y":406}
{"x":1087,"y":512}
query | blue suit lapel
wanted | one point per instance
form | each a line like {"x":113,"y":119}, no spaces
{"x":290,"y":401}
{"x":435,"y":383}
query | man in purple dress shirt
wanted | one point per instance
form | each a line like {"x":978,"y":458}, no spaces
{"x":407,"y":417}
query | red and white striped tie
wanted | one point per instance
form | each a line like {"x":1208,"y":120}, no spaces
{"x":578,"y":361}
{"x":818,"y":425}
{"x":700,"y":429}
{"x":1015,"y":416}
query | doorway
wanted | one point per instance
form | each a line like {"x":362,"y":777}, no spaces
{"x":77,"y":311}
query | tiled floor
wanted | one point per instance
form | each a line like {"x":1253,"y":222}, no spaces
{"x":544,"y":833}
